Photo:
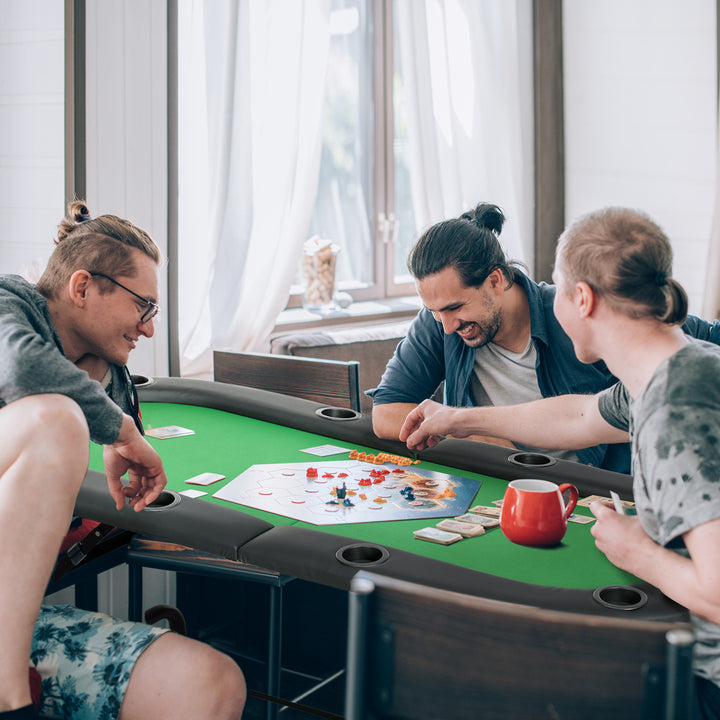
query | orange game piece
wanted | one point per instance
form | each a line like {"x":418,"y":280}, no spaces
{"x":380,"y":501}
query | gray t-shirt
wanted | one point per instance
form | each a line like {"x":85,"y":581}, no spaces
{"x":674,"y":426}
{"x":494,"y":366}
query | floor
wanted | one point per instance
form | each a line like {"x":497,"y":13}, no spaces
{"x":233,"y":617}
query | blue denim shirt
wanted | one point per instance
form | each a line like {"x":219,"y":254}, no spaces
{"x":427,"y":357}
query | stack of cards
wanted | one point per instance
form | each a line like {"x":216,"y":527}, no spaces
{"x":461,"y":528}
{"x":432,"y":534}
{"x":471,"y":524}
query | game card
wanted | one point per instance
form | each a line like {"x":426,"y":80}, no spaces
{"x":485,"y":520}
{"x":206,"y":478}
{"x":488,"y":510}
{"x":617,"y":502}
{"x":325,"y":450}
{"x":193,"y":493}
{"x":580,"y":519}
{"x":169,"y":431}
{"x":585,"y":502}
{"x":432,"y":534}
{"x":463,"y":528}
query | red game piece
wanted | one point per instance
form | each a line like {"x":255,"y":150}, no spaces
{"x":311,"y":472}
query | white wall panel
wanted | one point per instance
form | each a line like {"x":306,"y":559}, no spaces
{"x":640,"y":117}
{"x":31,"y":131}
{"x":127,"y":130}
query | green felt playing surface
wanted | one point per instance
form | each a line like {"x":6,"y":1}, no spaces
{"x":228,"y":444}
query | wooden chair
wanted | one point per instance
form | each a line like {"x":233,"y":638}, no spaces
{"x":416,"y":652}
{"x":333,"y":382}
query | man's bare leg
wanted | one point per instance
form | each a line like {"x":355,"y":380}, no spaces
{"x":183,"y":679}
{"x":43,"y":461}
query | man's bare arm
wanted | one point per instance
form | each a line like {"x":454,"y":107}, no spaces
{"x":567,"y":422}
{"x":388,"y":420}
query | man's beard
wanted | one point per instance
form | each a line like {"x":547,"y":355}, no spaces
{"x":486,"y":332}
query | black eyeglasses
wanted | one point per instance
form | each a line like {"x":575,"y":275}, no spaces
{"x":153,"y":308}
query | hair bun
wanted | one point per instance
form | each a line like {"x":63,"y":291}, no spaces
{"x":78,"y":212}
{"x":487,"y":215}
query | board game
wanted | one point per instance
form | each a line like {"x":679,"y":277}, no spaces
{"x":335,"y":492}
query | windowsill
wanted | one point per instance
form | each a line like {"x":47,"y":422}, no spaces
{"x":360,"y":312}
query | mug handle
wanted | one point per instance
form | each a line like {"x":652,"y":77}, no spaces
{"x":572,"y":501}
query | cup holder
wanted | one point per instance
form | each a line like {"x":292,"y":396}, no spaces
{"x":532,"y":459}
{"x":166,"y":500}
{"x":362,"y":555}
{"x":142,"y":380}
{"x":620,"y":597}
{"x":337,"y":413}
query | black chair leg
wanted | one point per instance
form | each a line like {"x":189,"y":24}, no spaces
{"x":175,"y":618}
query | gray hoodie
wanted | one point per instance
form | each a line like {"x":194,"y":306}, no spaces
{"x":32,"y":362}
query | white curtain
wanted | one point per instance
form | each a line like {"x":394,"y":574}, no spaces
{"x":250,"y":111}
{"x":467,"y":67}
{"x":711,"y":296}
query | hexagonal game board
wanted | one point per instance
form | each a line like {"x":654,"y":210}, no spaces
{"x":350,"y":491}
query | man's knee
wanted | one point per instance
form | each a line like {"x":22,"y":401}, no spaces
{"x":228,"y":682}
{"x":51,"y":422}
{"x":180,"y":677}
{"x":44,"y":436}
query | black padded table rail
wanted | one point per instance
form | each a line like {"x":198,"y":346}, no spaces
{"x":505,"y":463}
{"x":174,"y":518}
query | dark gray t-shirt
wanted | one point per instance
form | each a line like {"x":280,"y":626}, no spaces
{"x":674,"y":426}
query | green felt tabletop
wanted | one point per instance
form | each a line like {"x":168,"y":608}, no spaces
{"x":228,"y":444}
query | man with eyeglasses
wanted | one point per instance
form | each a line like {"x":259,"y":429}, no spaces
{"x":489,"y":334}
{"x":64,"y":345}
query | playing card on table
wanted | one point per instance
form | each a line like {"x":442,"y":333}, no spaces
{"x":585,"y":502}
{"x":484,"y":520}
{"x":489,"y":510}
{"x":463,"y":528}
{"x":432,"y":534}
{"x":168,"y":431}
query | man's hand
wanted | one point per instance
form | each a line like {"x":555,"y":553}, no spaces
{"x":131,"y":453}
{"x":428,"y":424}
{"x":622,"y":539}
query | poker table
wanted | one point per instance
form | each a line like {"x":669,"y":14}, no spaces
{"x":236,"y":427}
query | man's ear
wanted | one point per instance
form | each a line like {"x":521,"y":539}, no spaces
{"x":78,"y":286}
{"x":585,"y":299}
{"x":496,"y":280}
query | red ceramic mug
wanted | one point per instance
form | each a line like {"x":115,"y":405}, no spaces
{"x":534,"y":512}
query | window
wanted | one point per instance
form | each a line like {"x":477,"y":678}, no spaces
{"x":364,"y":203}
{"x":361,"y":121}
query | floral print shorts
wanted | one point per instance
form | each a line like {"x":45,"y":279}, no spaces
{"x":85,"y":660}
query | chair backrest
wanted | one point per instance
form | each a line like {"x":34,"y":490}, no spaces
{"x":333,"y":382}
{"x":419,"y":652}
